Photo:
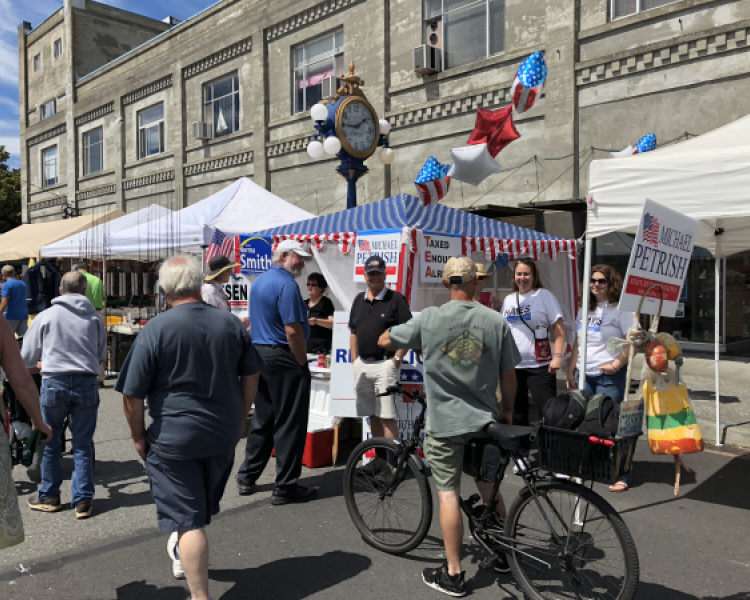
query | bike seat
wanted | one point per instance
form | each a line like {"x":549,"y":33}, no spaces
{"x":510,"y":436}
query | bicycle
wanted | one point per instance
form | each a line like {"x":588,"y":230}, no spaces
{"x":560,"y":537}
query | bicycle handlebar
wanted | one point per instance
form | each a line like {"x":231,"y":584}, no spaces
{"x":398,"y":389}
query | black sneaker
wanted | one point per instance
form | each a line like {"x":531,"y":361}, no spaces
{"x":293,"y":495}
{"x":501,"y":563}
{"x":245,"y":489}
{"x":438,"y":579}
{"x":51,"y":504}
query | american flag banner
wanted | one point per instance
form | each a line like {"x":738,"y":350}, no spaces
{"x":651,"y":230}
{"x":432,"y":182}
{"x":220,"y":244}
{"x":529,"y":82}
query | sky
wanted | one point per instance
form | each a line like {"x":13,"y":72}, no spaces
{"x":14,"y":12}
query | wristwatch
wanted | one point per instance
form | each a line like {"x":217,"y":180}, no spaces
{"x":398,"y":360}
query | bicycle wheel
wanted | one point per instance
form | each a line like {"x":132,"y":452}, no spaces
{"x":596,"y":557}
{"x":395,"y":521}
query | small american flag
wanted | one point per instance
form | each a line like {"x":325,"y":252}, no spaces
{"x":529,"y":82}
{"x":220,"y":244}
{"x":651,"y":230}
{"x":364,"y":245}
{"x":432,"y":182}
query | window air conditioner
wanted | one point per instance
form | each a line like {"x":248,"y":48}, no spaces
{"x":331,"y":85}
{"x":427,"y":60}
{"x":203,"y":131}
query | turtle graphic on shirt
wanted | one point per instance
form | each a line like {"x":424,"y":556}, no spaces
{"x":465,"y":349}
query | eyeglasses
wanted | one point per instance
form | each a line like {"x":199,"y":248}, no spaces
{"x":595,"y":280}
{"x":312,"y":285}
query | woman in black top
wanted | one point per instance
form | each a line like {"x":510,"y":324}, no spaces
{"x":320,"y":315}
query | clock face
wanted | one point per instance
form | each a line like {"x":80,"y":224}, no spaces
{"x":359,"y":127}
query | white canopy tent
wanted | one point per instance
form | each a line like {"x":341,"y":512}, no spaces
{"x":242,"y":207}
{"x":94,"y":242}
{"x":706,"y":178}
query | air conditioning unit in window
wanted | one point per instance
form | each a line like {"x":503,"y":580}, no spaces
{"x":203,"y":131}
{"x":427,"y":60}
{"x":330,"y":85}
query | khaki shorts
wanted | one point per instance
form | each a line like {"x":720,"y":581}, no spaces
{"x":371,"y":379}
{"x":445,"y":455}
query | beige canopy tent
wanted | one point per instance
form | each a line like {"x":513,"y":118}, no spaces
{"x":26,"y":241}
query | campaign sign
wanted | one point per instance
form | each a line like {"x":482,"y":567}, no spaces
{"x":237,"y":290}
{"x":255,"y":254}
{"x":631,"y":418}
{"x":385,"y":245}
{"x":661,"y":254}
{"x":434,"y":252}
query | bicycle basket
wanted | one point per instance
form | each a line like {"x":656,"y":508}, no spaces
{"x":570,"y":453}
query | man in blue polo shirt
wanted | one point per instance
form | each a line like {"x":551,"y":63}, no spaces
{"x":279,"y":325}
{"x":13,"y":304}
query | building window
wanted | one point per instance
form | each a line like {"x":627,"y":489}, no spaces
{"x":151,"y":131}
{"x":93,"y":151}
{"x":49,"y":166}
{"x":37,"y":62}
{"x":48,"y":109}
{"x":472,"y":29}
{"x":221,"y":105}
{"x":57,"y":47}
{"x":314,"y":60}
{"x":623,"y":8}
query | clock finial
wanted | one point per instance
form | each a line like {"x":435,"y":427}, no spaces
{"x":350,"y":84}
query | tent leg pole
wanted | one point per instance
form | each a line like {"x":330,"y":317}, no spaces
{"x":583,"y":336}
{"x":717,"y":263}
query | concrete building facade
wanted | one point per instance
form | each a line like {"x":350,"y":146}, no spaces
{"x":97,"y":81}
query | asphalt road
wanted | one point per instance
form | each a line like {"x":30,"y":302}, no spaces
{"x":691,"y":547}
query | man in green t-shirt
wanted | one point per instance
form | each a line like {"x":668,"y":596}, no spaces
{"x":467,"y":349}
{"x":95,"y":294}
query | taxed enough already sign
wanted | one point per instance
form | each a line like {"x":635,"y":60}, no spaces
{"x":661,"y":254}
{"x":435,"y":250}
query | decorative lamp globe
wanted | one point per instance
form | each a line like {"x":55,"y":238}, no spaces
{"x":315,"y":149}
{"x":332,"y":145}
{"x":319,"y":112}
{"x":386,"y":156}
{"x":385,"y":126}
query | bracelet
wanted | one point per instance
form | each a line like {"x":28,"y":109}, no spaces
{"x":558,"y":355}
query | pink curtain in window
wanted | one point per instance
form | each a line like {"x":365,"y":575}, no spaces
{"x":314,"y":79}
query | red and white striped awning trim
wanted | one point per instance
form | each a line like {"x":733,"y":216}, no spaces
{"x":515,"y":248}
{"x":344,"y":240}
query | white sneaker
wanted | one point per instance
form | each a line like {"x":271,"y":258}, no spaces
{"x":174,"y":554}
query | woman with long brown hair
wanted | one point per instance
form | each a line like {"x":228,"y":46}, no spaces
{"x":605,"y":371}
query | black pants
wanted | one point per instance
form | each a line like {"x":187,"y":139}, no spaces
{"x":280,"y":419}
{"x":541,"y":383}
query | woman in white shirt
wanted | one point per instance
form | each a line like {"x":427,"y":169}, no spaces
{"x":536,"y":322}
{"x":605,"y":371}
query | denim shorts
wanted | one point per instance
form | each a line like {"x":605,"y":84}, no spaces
{"x":187,"y":492}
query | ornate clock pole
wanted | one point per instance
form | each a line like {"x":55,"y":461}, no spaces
{"x":350,"y":129}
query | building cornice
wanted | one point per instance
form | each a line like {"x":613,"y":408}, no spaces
{"x":222,"y":162}
{"x":95,"y":114}
{"x":306,"y":17}
{"x":217,"y":58}
{"x":151,"y":179}
{"x":46,"y":135}
{"x":147,"y":90}
{"x":104,"y":190}
{"x":42,"y":204}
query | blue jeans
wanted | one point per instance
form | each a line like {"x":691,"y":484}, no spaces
{"x":614,"y":387}
{"x":77,"y":396}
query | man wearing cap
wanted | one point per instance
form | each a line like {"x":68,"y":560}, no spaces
{"x":212,"y":292}
{"x":279,"y":324}
{"x":372,"y":313}
{"x":467,"y":348}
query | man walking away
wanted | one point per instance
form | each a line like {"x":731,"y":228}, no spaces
{"x":199,"y":371}
{"x":13,"y":304}
{"x":71,"y":341}
{"x":95,"y":294}
{"x":278,"y":320}
{"x":467,"y":347}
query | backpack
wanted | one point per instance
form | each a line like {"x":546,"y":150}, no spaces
{"x":565,"y":411}
{"x":602,"y":416}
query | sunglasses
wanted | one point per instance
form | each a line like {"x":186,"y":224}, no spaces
{"x":595,"y":280}
{"x":312,"y":285}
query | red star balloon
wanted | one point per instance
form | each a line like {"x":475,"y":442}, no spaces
{"x":494,"y":128}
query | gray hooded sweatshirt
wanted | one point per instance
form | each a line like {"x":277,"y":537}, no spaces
{"x":69,"y":338}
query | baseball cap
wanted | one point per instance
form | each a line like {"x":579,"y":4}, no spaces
{"x":375,"y":264}
{"x":293,"y":246}
{"x":459,"y":269}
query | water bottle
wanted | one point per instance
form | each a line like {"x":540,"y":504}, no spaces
{"x":30,"y":449}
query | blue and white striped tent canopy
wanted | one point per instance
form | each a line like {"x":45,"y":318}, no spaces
{"x":407,"y":211}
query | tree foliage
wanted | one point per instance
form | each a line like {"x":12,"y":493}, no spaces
{"x":10,"y":194}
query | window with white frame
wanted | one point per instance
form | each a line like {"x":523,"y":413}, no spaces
{"x":37,"y":62}
{"x":221,"y":104}
{"x":57,"y":47}
{"x":151,"y":131}
{"x":48,"y":109}
{"x":314,"y":60}
{"x":93,"y":151}
{"x":472,"y":29}
{"x":49,"y":166}
{"x":623,"y":8}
